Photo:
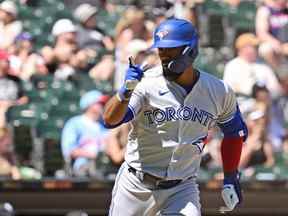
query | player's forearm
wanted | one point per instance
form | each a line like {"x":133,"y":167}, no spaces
{"x":114,"y":111}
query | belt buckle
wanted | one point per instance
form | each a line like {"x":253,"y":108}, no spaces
{"x":167,"y":184}
{"x":164,"y":184}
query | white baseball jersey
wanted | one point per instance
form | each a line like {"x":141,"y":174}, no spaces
{"x":169,"y":125}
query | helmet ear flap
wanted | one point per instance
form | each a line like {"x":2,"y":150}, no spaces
{"x":186,"y":58}
{"x":193,"y":53}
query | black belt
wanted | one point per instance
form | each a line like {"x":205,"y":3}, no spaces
{"x":153,"y":181}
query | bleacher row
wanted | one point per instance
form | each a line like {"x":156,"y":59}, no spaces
{"x":39,"y":17}
{"x":219,"y":21}
{"x":51,"y":103}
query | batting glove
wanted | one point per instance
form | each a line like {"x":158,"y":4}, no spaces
{"x":231,"y":192}
{"x":133,"y":75}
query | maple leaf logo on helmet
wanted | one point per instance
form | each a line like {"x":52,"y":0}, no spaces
{"x":162,"y":34}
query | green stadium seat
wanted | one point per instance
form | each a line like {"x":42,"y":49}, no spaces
{"x":42,"y":81}
{"x":41,"y":97}
{"x":47,"y":3}
{"x":28,"y":115}
{"x":211,"y":62}
{"x":60,"y":87}
{"x":23,"y":143}
{"x":50,"y":128}
{"x":25,"y":12}
{"x":107,"y":22}
{"x":243,"y":18}
{"x":84,"y":83}
{"x":64,"y":109}
{"x":53,"y":159}
{"x":213,"y":7}
{"x":104,"y":86}
{"x":62,"y":12}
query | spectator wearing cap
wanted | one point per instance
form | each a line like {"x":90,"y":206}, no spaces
{"x":10,"y":27}
{"x":64,"y":31}
{"x":11,"y":92}
{"x":65,"y":46}
{"x":84,"y":136}
{"x":94,"y":43}
{"x":242,"y":72}
{"x":89,"y":35}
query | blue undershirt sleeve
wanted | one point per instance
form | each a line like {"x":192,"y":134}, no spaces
{"x":235,"y":127}
{"x":128,"y":117}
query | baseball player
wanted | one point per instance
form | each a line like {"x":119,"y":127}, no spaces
{"x":171,"y":110}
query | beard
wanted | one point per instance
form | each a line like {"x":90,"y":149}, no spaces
{"x":169,"y":74}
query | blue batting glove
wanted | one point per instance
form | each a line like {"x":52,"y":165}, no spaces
{"x":133,"y":75}
{"x":231,"y":192}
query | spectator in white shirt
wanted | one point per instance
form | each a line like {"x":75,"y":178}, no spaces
{"x":242,"y":72}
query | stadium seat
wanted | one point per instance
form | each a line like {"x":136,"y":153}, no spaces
{"x":25,"y":12}
{"x":243,"y":17}
{"x":65,"y":89}
{"x":53,"y":159}
{"x":210,"y":60}
{"x":28,"y":115}
{"x":42,"y":81}
{"x":47,"y":3}
{"x":104,"y":86}
{"x":84,"y":83}
{"x":213,"y":7}
{"x":64,"y":109}
{"x":70,"y":93}
{"x":23,"y":143}
{"x":50,"y":128}
{"x":107,"y":22}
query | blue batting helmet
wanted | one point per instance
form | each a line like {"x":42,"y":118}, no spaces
{"x":175,"y":33}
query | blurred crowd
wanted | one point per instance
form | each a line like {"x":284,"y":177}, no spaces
{"x":96,"y":40}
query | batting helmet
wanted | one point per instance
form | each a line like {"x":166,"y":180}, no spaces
{"x":175,"y":33}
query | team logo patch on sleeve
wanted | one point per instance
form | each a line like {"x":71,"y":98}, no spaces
{"x":241,"y":133}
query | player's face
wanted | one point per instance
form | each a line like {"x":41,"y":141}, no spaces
{"x":166,"y":56}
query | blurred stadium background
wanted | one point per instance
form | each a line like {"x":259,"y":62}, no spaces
{"x":43,"y":183}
